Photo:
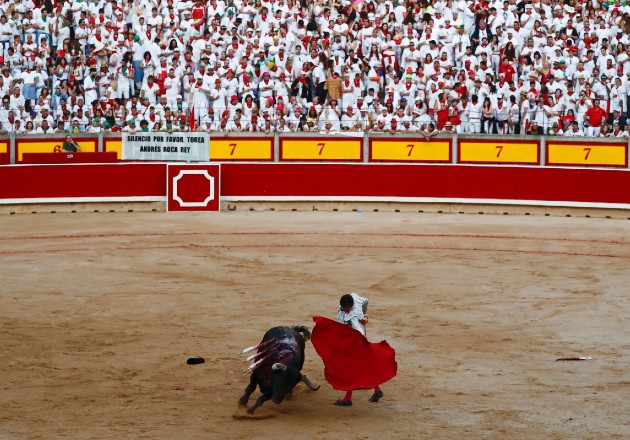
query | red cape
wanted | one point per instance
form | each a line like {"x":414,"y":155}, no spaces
{"x":350,"y":361}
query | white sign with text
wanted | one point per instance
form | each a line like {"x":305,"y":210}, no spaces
{"x":186,"y":147}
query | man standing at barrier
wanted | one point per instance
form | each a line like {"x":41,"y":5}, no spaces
{"x":594,"y":116}
{"x":70,"y":145}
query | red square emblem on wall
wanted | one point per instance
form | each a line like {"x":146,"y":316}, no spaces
{"x":193,"y":187}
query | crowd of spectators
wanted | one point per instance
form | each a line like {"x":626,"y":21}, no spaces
{"x":553,"y":67}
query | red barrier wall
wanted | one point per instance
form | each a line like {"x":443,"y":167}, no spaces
{"x":293,"y":181}
{"x":440,"y":181}
{"x":82,"y":180}
{"x":65,"y":157}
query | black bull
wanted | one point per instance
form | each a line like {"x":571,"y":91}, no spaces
{"x":279,"y":359}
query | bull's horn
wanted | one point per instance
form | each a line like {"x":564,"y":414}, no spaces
{"x":279,"y":366}
{"x":309,"y":384}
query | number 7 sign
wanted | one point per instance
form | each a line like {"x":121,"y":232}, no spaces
{"x":506,"y":152}
{"x":603,"y":154}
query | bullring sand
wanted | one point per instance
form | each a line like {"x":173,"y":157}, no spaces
{"x":99,"y":313}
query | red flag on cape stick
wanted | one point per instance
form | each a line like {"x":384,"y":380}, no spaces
{"x":351,"y":362}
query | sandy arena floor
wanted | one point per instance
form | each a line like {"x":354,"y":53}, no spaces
{"x":99,"y":313}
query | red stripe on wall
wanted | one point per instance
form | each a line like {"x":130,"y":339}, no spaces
{"x":447,"y":181}
{"x":81,"y":180}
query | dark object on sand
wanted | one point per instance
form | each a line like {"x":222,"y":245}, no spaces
{"x":581,"y":358}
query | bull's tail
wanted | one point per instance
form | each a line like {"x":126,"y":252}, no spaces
{"x":303,"y":330}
